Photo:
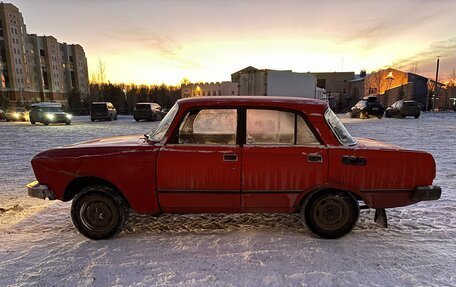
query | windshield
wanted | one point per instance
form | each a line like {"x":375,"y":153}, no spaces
{"x":163,"y":126}
{"x":338,"y":128}
{"x":52,"y":109}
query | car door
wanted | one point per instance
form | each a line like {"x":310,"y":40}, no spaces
{"x":199,"y":169}
{"x":281,"y":158}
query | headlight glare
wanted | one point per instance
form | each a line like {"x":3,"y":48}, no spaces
{"x":50,"y":116}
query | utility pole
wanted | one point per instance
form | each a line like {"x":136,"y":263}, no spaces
{"x":436,"y":83}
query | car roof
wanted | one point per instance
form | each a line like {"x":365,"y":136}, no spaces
{"x":46,"y":104}
{"x":266,"y":101}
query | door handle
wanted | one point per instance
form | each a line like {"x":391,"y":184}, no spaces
{"x":353,"y":160}
{"x":230,"y":157}
{"x":314,"y":158}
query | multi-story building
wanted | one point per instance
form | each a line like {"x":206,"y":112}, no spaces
{"x":37,"y":68}
{"x":209,"y":89}
{"x":266,"y":82}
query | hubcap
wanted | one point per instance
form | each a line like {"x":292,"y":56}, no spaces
{"x":331,"y":213}
{"x":97,"y":215}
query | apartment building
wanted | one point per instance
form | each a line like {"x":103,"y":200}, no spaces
{"x":37,"y":68}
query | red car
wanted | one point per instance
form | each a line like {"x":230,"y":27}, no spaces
{"x":232,"y":155}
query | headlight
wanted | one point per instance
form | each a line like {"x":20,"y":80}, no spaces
{"x":69,"y":116}
{"x":50,"y":116}
{"x":16,"y":115}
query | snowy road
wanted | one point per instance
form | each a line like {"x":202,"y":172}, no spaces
{"x":40,"y":247}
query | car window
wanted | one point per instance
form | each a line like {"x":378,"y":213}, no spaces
{"x":338,"y":128}
{"x":209,"y":126}
{"x":277,"y":127}
{"x":159,"y":133}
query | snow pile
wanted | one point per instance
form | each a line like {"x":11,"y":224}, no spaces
{"x":40,"y":247}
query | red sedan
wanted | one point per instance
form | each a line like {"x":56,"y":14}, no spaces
{"x":232,"y":155}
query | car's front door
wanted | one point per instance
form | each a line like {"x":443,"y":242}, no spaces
{"x":281,"y":158}
{"x":199,"y":170}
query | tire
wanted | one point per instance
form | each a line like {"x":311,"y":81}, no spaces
{"x":330,"y":214}
{"x":98,"y":212}
{"x":32,"y":122}
{"x":136,"y":119}
{"x":417,"y":116}
{"x":46,"y":123}
{"x":68,"y":123}
{"x":115,"y":118}
{"x":92,"y":120}
{"x":110,"y":118}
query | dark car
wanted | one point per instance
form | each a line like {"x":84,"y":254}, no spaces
{"x":103,"y":111}
{"x":16,"y":114}
{"x":369,"y":106}
{"x":402,"y":109}
{"x":148,"y":111}
{"x":47,"y":113}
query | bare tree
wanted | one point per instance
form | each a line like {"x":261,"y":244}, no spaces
{"x":413,"y":68}
{"x":101,"y":72}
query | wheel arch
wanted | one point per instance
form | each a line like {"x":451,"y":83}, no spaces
{"x":304,"y":196}
{"x":76,"y":185}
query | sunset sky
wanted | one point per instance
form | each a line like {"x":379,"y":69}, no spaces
{"x":151,"y":42}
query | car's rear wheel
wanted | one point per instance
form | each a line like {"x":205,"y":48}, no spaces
{"x":330,"y":214}
{"x":98,"y":212}
{"x":32,"y":122}
{"x":417,"y":116}
{"x":68,"y":123}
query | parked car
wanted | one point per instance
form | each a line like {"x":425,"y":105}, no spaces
{"x":148,"y":111}
{"x":16,"y":114}
{"x":402,"y":109}
{"x":103,"y":111}
{"x":2,"y":115}
{"x":369,"y":106}
{"x":47,"y":113}
{"x":232,"y":155}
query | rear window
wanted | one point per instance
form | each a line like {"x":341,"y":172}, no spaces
{"x":99,"y":107}
{"x":142,"y":107}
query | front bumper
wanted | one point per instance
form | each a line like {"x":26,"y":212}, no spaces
{"x":35,"y":189}
{"x":428,"y":192}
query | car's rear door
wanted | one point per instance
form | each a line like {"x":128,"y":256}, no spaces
{"x":281,"y":158}
{"x":199,"y":169}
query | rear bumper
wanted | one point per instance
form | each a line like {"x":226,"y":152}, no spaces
{"x":35,"y":189}
{"x":428,"y":192}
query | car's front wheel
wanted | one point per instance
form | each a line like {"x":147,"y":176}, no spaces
{"x":330,"y":213}
{"x":98,"y":213}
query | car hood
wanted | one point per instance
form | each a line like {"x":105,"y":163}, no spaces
{"x":119,"y":141}
{"x":365,"y":143}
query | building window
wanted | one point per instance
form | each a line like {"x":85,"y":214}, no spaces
{"x":219,"y":92}
{"x":42,"y":54}
{"x":232,"y":92}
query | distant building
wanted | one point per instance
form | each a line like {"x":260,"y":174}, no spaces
{"x":389,"y":83}
{"x":266,"y":82}
{"x":37,"y":68}
{"x":209,"y":89}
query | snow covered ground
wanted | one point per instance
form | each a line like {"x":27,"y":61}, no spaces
{"x":40,"y":247}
